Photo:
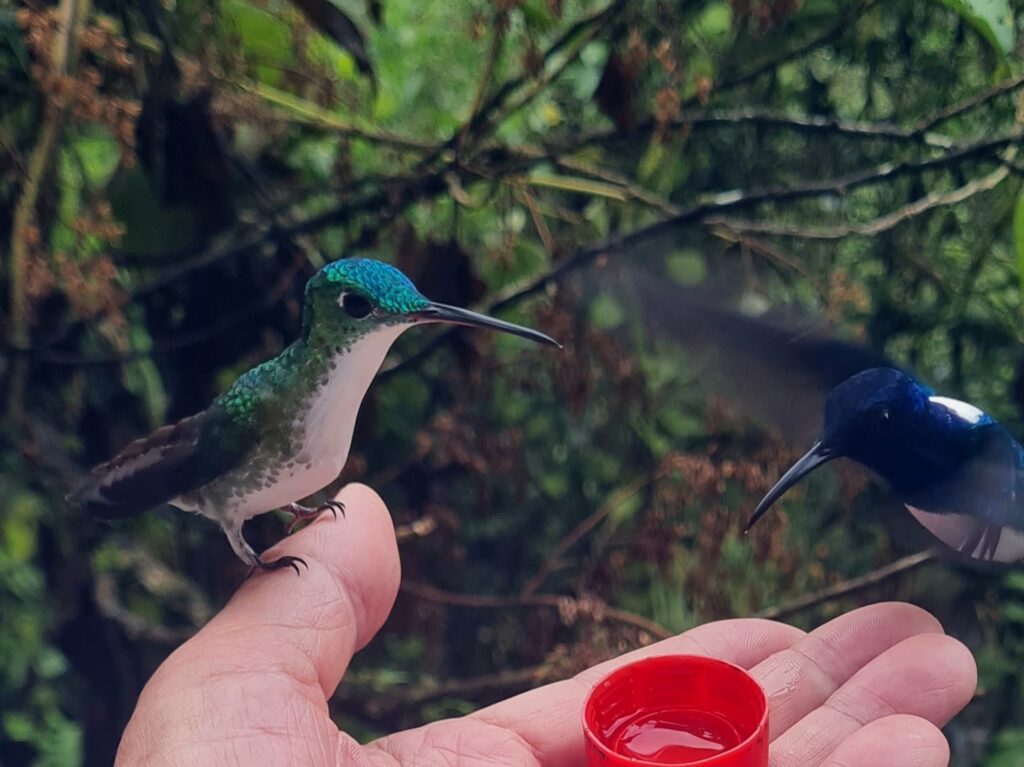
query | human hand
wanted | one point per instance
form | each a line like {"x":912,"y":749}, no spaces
{"x":868,"y":688}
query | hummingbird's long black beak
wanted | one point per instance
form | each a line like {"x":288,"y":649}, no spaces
{"x":456,"y":316}
{"x":814,"y":458}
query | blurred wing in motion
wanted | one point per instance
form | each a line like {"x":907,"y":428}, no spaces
{"x":175,"y":459}
{"x":777,"y":375}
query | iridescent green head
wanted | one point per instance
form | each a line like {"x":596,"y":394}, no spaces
{"x":353,"y":297}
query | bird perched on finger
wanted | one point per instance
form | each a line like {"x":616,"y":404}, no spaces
{"x":282,"y":431}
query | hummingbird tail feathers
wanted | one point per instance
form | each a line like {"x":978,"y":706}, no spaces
{"x":89,"y":497}
{"x":153,"y":471}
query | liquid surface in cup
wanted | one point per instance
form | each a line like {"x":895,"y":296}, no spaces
{"x":673,"y":736}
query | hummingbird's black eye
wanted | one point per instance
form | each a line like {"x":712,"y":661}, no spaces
{"x":356,"y":306}
{"x":884,"y":416}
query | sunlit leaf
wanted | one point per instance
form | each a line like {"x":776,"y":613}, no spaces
{"x":605,"y":313}
{"x":992,"y":18}
{"x":686,"y":267}
{"x":335,"y":24}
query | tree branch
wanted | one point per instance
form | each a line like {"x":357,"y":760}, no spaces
{"x":971,"y":102}
{"x":714,"y":204}
{"x":569,"y":608}
{"x":844,"y":23}
{"x":483,"y":121}
{"x":848,"y":587}
{"x":868,"y":228}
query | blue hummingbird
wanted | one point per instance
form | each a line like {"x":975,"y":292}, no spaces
{"x":282,"y":431}
{"x":957,"y":471}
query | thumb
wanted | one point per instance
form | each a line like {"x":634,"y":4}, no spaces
{"x":280,"y":636}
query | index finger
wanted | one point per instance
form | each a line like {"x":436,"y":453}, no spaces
{"x":796,"y":670}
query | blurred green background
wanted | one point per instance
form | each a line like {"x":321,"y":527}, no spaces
{"x":172,"y":172}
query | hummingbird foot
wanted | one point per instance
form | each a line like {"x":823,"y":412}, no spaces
{"x":255,"y":561}
{"x":302,"y":513}
{"x":282,"y":562}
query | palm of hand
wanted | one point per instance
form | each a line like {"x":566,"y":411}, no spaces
{"x":869,"y":688}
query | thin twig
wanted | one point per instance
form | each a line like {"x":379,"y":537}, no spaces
{"x":614,"y":501}
{"x":627,"y":187}
{"x":301,"y":111}
{"x":543,"y":232}
{"x":971,"y":102}
{"x":500,"y":24}
{"x":407,"y":696}
{"x":587,"y":32}
{"x":160,"y":581}
{"x":714,"y":118}
{"x":568,"y":607}
{"x":843,"y":24}
{"x":497,"y":102}
{"x":421,"y":528}
{"x":848,"y":587}
{"x":868,"y":228}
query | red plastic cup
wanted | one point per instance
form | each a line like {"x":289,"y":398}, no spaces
{"x":677,"y":710}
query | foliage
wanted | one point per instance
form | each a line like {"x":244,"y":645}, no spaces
{"x":171,"y":173}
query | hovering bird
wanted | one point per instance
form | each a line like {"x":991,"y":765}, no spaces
{"x":283,"y":430}
{"x":954,"y":468}
{"x":958,"y":472}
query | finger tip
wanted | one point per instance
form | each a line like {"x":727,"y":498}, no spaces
{"x":330,"y":610}
{"x":919,"y":620}
{"x":899,"y":739}
{"x":951,"y":661}
{"x":907,"y":734}
{"x":363,"y":496}
{"x":359,"y":551}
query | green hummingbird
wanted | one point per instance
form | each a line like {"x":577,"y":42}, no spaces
{"x":283,"y":430}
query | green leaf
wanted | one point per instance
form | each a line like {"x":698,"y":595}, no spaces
{"x":333,"y":22}
{"x":1007,"y":748}
{"x":605,"y":313}
{"x":992,"y":18}
{"x":686,"y":267}
{"x":18,"y":726}
{"x":262,"y":36}
{"x":1013,"y":612}
{"x":99,"y":154}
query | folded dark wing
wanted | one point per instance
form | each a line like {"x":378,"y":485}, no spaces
{"x":175,"y":459}
{"x":978,"y":511}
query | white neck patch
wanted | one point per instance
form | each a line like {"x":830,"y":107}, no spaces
{"x":963,"y":410}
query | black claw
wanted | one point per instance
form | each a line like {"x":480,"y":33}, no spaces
{"x":281,"y":562}
{"x":335,"y":507}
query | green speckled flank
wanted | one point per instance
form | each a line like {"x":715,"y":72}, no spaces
{"x":270,"y":402}
{"x":382,"y":283}
{"x":252,"y":387}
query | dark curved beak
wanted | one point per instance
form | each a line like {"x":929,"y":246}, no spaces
{"x":814,"y":458}
{"x":457,"y":316}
